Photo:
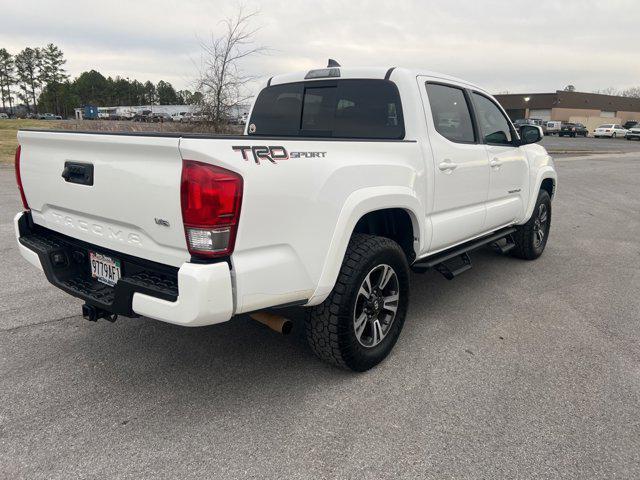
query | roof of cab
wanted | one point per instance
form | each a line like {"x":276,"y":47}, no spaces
{"x":368,"y":72}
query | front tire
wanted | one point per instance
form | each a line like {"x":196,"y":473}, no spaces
{"x":360,"y":321}
{"x":531,"y":238}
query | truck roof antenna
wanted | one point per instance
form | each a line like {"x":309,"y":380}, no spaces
{"x":332,"y":63}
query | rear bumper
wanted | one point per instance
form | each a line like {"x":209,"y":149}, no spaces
{"x":192,"y":295}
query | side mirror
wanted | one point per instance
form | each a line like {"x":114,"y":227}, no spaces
{"x":530,"y":134}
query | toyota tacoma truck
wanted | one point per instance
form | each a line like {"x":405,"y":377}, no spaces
{"x":344,"y":181}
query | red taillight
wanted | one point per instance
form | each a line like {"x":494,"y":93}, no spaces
{"x":19,"y":178}
{"x":210,"y":197}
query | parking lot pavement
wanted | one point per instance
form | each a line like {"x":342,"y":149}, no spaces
{"x":557,"y":144}
{"x":513,"y":370}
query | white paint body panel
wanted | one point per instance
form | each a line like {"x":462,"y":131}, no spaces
{"x":136,"y":179}
{"x":297,"y":215}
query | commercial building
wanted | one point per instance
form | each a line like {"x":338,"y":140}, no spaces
{"x":591,"y":109}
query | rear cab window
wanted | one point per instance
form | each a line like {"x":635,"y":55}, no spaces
{"x":450,"y":112}
{"x":349,"y":108}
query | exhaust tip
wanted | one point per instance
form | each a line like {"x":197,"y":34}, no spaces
{"x":277,"y":323}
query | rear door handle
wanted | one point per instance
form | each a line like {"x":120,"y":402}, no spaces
{"x":495,"y":163}
{"x":447,"y":166}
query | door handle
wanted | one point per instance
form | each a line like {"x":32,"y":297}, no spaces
{"x":447,"y":166}
{"x":495,"y":163}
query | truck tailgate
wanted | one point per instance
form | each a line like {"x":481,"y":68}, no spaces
{"x":133,"y":205}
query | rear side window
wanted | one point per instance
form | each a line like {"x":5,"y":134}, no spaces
{"x":338,"y":108}
{"x":450,"y":113}
{"x":277,"y":110}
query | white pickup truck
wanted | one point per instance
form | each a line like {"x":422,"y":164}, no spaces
{"x":345,"y":180}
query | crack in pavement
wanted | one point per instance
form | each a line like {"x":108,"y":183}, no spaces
{"x":54,"y":320}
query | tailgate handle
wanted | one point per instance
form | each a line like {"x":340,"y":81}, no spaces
{"x":76,"y":172}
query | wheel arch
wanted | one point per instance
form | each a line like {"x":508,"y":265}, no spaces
{"x":375,"y":210}
{"x":546,"y":179}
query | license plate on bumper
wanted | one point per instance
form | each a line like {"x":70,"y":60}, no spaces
{"x":104,"y":269}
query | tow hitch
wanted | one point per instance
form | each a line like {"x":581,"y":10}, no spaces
{"x":93,"y":314}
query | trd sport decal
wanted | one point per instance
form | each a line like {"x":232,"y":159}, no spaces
{"x":273,"y":154}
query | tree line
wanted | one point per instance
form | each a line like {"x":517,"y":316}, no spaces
{"x":35,"y":81}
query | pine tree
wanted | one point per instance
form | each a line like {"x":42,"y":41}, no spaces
{"x":52,"y":74}
{"x":29,"y":67}
{"x":52,"y":62}
{"x":7,"y":78}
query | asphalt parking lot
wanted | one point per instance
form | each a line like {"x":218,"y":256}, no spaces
{"x":513,"y":370}
{"x":557,"y":145}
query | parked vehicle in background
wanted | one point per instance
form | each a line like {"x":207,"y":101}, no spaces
{"x":553,"y":127}
{"x":633,"y":133}
{"x":345,"y":180}
{"x":193,"y":117}
{"x":4,"y":116}
{"x":48,"y":116}
{"x":581,"y":129}
{"x":631,"y":123}
{"x":178,"y":116}
{"x":573,"y":130}
{"x":610,"y":130}
{"x":160,"y":117}
{"x":142,"y":116}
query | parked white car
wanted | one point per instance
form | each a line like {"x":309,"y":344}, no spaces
{"x":330,"y":206}
{"x":4,"y":116}
{"x":633,"y":133}
{"x":178,"y":116}
{"x":610,"y":130}
{"x":192,"y":117}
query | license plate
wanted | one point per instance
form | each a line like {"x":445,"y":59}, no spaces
{"x":104,"y":269}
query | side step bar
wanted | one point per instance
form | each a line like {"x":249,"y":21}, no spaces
{"x":455,"y":261}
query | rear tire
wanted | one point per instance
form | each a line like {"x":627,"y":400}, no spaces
{"x":357,"y":325}
{"x":614,"y":135}
{"x":531,"y":238}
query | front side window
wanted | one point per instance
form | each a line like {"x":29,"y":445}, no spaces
{"x":492,"y":123}
{"x":450,"y":113}
{"x":337,"y":108}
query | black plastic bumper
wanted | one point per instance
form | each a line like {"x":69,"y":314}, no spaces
{"x":71,"y":271}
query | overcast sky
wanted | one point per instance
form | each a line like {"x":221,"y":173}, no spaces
{"x":515,"y":46}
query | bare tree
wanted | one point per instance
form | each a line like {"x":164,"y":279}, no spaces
{"x":631,"y":92}
{"x":221,"y":81}
{"x":608,"y":91}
